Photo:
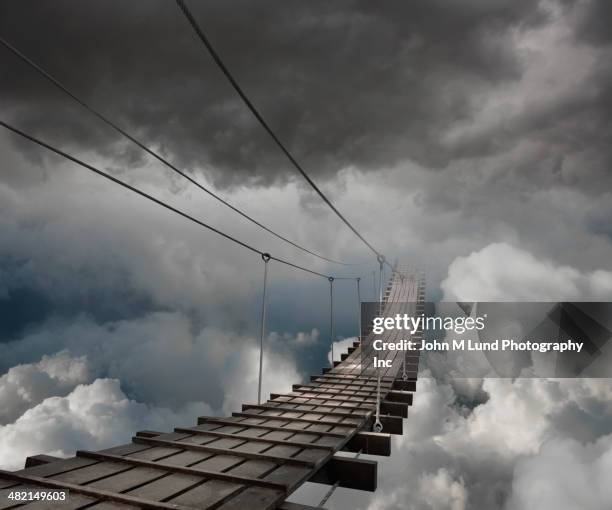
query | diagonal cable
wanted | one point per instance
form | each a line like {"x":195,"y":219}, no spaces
{"x":153,"y":199}
{"x":213,"y":53}
{"x":156,"y":155}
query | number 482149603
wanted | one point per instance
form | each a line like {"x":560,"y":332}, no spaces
{"x":18,"y":495}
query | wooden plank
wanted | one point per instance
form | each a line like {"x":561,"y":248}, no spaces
{"x":89,"y":491}
{"x":351,"y":405}
{"x":254,"y":497}
{"x":348,"y":472}
{"x":111,"y":505}
{"x":209,"y":494}
{"x":299,"y":419}
{"x":173,"y":468}
{"x":92,"y":473}
{"x":324,"y":390}
{"x":73,"y":501}
{"x":355,"y":377}
{"x":149,"y":433}
{"x":300,"y":409}
{"x":221,"y":451}
{"x":127,"y":480}
{"x":327,"y":400}
{"x":166,"y":487}
{"x":39,"y":460}
{"x":5,"y":502}
{"x":260,"y":439}
{"x":264,"y":426}
{"x":61,"y":466}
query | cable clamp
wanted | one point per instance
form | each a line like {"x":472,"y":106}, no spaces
{"x":266,"y":257}
{"x":330,"y":278}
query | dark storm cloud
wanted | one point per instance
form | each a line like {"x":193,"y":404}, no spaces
{"x":342,"y":83}
{"x":594,"y":25}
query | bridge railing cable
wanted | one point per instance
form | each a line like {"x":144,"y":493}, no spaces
{"x":224,"y":69}
{"x":153,"y":199}
{"x":156,"y":155}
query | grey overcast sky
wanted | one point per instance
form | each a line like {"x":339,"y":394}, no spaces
{"x":471,"y":137}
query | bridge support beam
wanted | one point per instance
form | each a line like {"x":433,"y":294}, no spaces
{"x":395,"y":408}
{"x":348,"y":472}
{"x":409,"y":385}
{"x":400,"y":396}
{"x":370,"y":443}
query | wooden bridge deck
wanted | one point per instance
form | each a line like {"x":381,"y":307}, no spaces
{"x":253,"y":459}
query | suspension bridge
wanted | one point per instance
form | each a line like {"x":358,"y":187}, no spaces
{"x":257,"y":457}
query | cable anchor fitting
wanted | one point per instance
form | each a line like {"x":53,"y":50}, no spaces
{"x":266,"y":257}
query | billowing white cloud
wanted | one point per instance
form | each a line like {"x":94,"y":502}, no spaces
{"x":25,"y":386}
{"x":503,"y":272}
{"x":510,"y":452}
{"x":92,"y":416}
{"x":565,"y":475}
{"x":59,"y":404}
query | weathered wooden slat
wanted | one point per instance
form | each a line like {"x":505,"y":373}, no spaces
{"x":324,"y":390}
{"x":260,"y":439}
{"x":222,"y":451}
{"x":298,"y":410}
{"x":90,"y":491}
{"x":330,"y":401}
{"x":352,"y":403}
{"x":166,"y":487}
{"x":72,"y":502}
{"x":254,"y":497}
{"x":149,"y":433}
{"x":173,"y":468}
{"x":355,"y":377}
{"x":298,"y":419}
{"x":39,"y":460}
{"x":5,"y":502}
{"x":210,"y":494}
{"x":264,"y":426}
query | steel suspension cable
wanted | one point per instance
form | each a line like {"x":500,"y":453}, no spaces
{"x":152,"y":198}
{"x":155,"y":154}
{"x":215,"y":56}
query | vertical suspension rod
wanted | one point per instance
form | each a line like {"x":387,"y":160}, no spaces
{"x":358,"y":311}
{"x":331,"y":318}
{"x":266,"y":258}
